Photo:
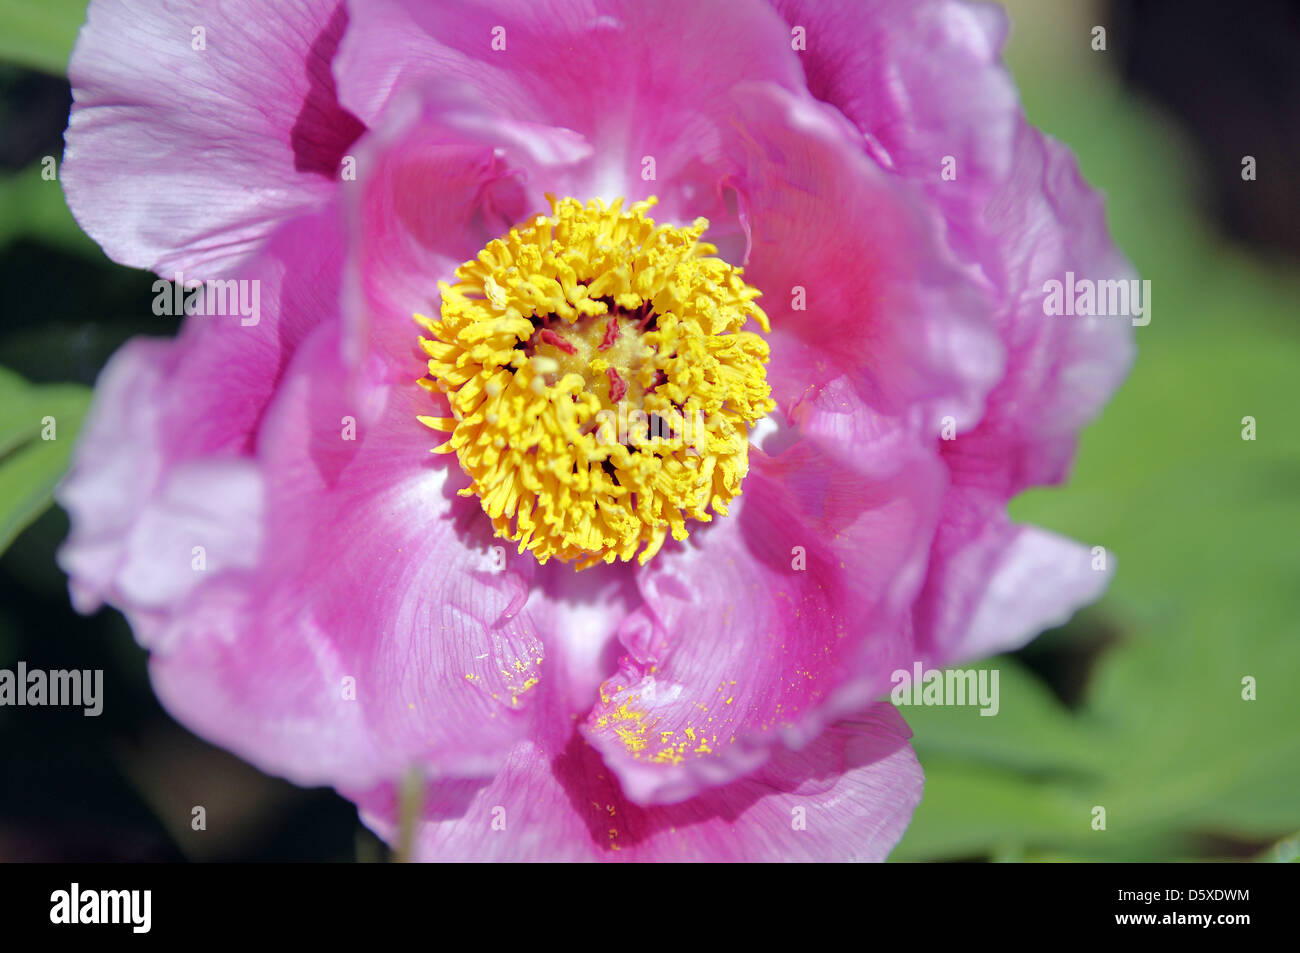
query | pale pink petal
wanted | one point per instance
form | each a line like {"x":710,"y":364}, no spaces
{"x":372,"y":570}
{"x":771,"y":623}
{"x":1061,"y":369}
{"x":578,"y":616}
{"x":115,"y":467}
{"x":438,"y":181}
{"x":636,"y":81}
{"x":184,"y":159}
{"x":848,"y":796}
{"x":854,"y":278}
{"x":923,"y":81}
{"x":137,"y":506}
{"x":993,"y":585}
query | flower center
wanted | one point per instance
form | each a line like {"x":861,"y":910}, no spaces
{"x":600,"y":385}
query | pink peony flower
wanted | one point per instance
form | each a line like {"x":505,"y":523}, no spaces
{"x":590,"y":642}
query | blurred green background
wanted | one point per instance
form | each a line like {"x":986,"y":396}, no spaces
{"x":1135,"y":706}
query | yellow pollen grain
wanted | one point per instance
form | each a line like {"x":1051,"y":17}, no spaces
{"x":600,"y":381}
{"x":630,"y":739}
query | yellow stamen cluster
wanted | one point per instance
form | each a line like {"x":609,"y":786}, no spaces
{"x":600,"y":385}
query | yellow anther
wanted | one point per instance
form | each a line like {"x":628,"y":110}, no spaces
{"x":600,"y":383}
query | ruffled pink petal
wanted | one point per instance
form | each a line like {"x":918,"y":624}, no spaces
{"x":992,"y":585}
{"x":115,"y":468}
{"x":854,"y":278}
{"x":578,"y":616}
{"x":378,"y":630}
{"x":438,"y":181}
{"x":144,"y":535}
{"x":846,"y":797}
{"x":162,"y":463}
{"x":1061,"y":370}
{"x":408,"y":595}
{"x":185,"y":160}
{"x":771,"y":623}
{"x":923,"y":81}
{"x":636,"y":81}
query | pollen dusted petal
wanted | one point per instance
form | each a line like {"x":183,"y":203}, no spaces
{"x":601,"y":385}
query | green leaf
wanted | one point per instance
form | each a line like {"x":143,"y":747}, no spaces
{"x":38,"y":425}
{"x":32,"y":207}
{"x":40,"y":34}
{"x":1286,"y":851}
{"x":1031,"y":732}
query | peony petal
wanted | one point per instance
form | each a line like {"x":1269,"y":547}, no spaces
{"x":854,"y":279}
{"x":993,"y":585}
{"x":438,"y":181}
{"x":636,"y":81}
{"x":137,"y":507}
{"x":846,"y":797}
{"x":768,"y":625}
{"x":578,"y":616}
{"x":1061,"y":369}
{"x":407,"y":594}
{"x":374,"y":571}
{"x":115,"y":468}
{"x":183,"y":159}
{"x":923,"y":81}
